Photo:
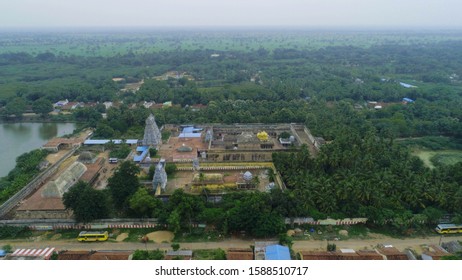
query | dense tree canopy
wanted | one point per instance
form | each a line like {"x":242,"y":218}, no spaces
{"x":123,"y":184}
{"x":144,"y":204}
{"x":42,"y":106}
{"x":86,"y":203}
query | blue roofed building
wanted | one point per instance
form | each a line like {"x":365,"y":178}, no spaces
{"x":190,"y":132}
{"x":141,"y":153}
{"x":105,"y":141}
{"x":277,"y":252}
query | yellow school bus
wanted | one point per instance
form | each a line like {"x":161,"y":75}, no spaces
{"x":93,"y":236}
{"x":448,"y":228}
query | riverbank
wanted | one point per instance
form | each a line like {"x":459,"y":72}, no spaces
{"x":34,"y":118}
{"x":19,"y":138}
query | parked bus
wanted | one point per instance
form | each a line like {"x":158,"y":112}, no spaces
{"x":93,"y":236}
{"x":113,"y":160}
{"x":448,"y":228}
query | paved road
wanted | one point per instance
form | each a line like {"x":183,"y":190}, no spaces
{"x":309,"y":245}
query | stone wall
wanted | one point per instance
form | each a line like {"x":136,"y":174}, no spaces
{"x":239,"y":156}
{"x":43,"y":214}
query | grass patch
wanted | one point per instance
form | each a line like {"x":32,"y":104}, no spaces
{"x":135,"y":235}
{"x":209,"y":254}
{"x":332,"y":233}
{"x":197,"y":235}
{"x":165,"y":135}
{"x":425,"y":156}
{"x":357,"y":231}
{"x":438,"y":158}
{"x":446,"y":158}
{"x":434,"y":143}
{"x":120,"y":152}
{"x":65,"y":234}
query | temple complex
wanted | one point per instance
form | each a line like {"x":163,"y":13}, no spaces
{"x":221,"y":158}
{"x":215,"y":158}
{"x":235,"y":143}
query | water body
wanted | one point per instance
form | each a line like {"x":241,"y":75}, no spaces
{"x":19,"y":138}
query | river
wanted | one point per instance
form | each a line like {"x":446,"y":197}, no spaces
{"x":19,"y":138}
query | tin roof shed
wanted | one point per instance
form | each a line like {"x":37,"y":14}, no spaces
{"x":277,"y":252}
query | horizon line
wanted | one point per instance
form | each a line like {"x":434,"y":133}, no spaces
{"x":236,"y":27}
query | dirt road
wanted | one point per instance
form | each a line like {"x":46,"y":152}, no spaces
{"x":310,"y":245}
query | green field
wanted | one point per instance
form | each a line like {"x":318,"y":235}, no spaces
{"x":434,"y":143}
{"x":443,"y":157}
{"x":110,"y":43}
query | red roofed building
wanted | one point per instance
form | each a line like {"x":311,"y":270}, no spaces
{"x":239,"y":254}
{"x":95,"y":255}
{"x":31,"y":254}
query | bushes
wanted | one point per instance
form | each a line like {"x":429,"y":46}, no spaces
{"x":210,"y":254}
{"x":170,"y":169}
{"x":152,"y":152}
{"x":26,"y":168}
{"x":120,"y":151}
{"x":148,"y":255}
{"x":7,"y":232}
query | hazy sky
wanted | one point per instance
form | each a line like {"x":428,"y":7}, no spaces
{"x":313,"y":13}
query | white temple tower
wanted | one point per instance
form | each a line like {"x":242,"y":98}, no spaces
{"x":152,"y":136}
{"x":160,"y":176}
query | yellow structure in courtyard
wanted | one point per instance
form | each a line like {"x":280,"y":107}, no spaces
{"x":262,"y":136}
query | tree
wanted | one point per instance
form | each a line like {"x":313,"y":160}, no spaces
{"x":54,"y":256}
{"x":7,"y":248}
{"x":286,"y":240}
{"x":256,"y":181}
{"x":89,"y":115}
{"x":170,"y":168}
{"x":152,"y":152}
{"x":433,"y":215}
{"x":219,"y":254}
{"x":104,"y":131}
{"x":152,"y":170}
{"x":331,"y":247}
{"x":284,"y":135}
{"x":175,"y":246}
{"x":42,"y":106}
{"x":143,"y":203}
{"x":16,"y":107}
{"x":184,"y":208}
{"x":86,"y":203}
{"x":213,"y":216}
{"x":253,"y":213}
{"x":123,"y":184}
{"x":174,"y":221}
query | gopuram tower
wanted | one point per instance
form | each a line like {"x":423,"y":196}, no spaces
{"x":152,"y":136}
{"x":159,"y":180}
